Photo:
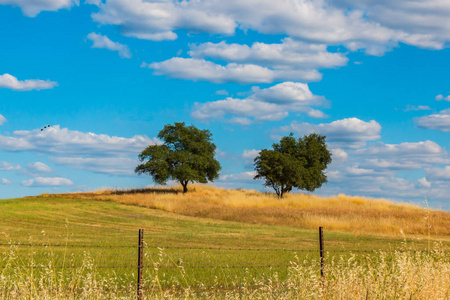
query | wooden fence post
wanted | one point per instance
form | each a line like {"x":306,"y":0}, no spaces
{"x":140,"y":263}
{"x":322,"y":263}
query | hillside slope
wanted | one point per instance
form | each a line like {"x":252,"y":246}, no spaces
{"x":344,"y":213}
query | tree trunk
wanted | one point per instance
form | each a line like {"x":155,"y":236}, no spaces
{"x":277,"y":190}
{"x":184,"y":184}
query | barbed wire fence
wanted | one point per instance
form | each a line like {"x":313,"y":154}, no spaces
{"x":140,"y":266}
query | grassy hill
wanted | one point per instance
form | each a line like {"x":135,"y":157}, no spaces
{"x":340,"y":213}
{"x":219,"y":237}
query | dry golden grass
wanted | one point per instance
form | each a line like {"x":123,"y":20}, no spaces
{"x":355,"y":214}
{"x":395,"y":275}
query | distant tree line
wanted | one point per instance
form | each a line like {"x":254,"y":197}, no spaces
{"x":188,"y":155}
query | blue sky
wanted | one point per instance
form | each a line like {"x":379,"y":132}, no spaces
{"x":107,"y":75}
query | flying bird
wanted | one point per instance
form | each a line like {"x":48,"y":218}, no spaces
{"x":47,"y":126}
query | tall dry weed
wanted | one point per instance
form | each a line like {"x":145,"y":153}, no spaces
{"x":378,"y":275}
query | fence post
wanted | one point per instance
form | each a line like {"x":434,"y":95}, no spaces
{"x":140,"y":263}
{"x":322,"y":263}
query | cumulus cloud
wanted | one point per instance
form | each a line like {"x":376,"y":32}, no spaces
{"x":108,"y":165}
{"x":311,"y":28}
{"x":38,"y":167}
{"x":2,"y":119}
{"x":375,"y":26}
{"x":419,"y":23}
{"x":102,"y":41}
{"x":339,"y":155}
{"x":157,"y":20}
{"x":6,"y":166}
{"x":32,"y":8}
{"x":317,"y":114}
{"x":440,"y":121}
{"x":377,"y":170}
{"x":424,"y":182}
{"x":439,"y":97}
{"x":6,"y":181}
{"x":62,"y":141}
{"x":289,"y":53}
{"x":260,"y":63}
{"x":10,"y":82}
{"x":345,"y":133}
{"x":79,"y":150}
{"x":268,"y":104}
{"x":203,"y":70}
{"x":404,"y":156}
{"x":47,"y":181}
{"x":438,"y":174}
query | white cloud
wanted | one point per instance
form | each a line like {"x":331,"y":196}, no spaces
{"x":438,"y":174}
{"x":377,"y":171}
{"x":317,"y":114}
{"x":290,"y":54}
{"x":202,"y":70}
{"x":108,"y":165}
{"x":375,"y":26}
{"x":339,"y":155}
{"x":419,"y":23}
{"x":157,"y":20}
{"x":345,"y":133}
{"x":62,"y":141}
{"x":102,"y":41}
{"x":47,"y":181}
{"x":441,"y":97}
{"x":10,"y":82}
{"x":440,"y":121}
{"x":6,"y":166}
{"x":291,"y":93}
{"x":404,"y":156}
{"x":79,"y":150}
{"x":416,"y":108}
{"x":32,"y":8}
{"x":244,"y":177}
{"x":263,"y":63}
{"x":38,"y":167}
{"x":2,"y":119}
{"x":311,"y":27}
{"x":6,"y":181}
{"x":424,"y":182}
{"x":268,"y":104}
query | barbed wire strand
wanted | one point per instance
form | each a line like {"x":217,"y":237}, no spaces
{"x":219,"y":249}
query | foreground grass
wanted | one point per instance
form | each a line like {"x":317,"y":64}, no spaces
{"x":84,"y":246}
{"x":395,"y":275}
{"x":354,"y":214}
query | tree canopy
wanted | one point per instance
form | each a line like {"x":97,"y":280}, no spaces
{"x":186,"y":155}
{"x":294,"y":163}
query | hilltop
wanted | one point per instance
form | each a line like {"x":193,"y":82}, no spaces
{"x":357,"y":215}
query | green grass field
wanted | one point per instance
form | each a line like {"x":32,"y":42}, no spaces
{"x":108,"y":233}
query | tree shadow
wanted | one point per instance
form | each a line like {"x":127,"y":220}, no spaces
{"x":146,"y":191}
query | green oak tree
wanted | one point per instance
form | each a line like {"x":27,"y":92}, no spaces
{"x":186,"y":155}
{"x":294,"y":163}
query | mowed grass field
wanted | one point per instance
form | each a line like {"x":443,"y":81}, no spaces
{"x":208,"y":237}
